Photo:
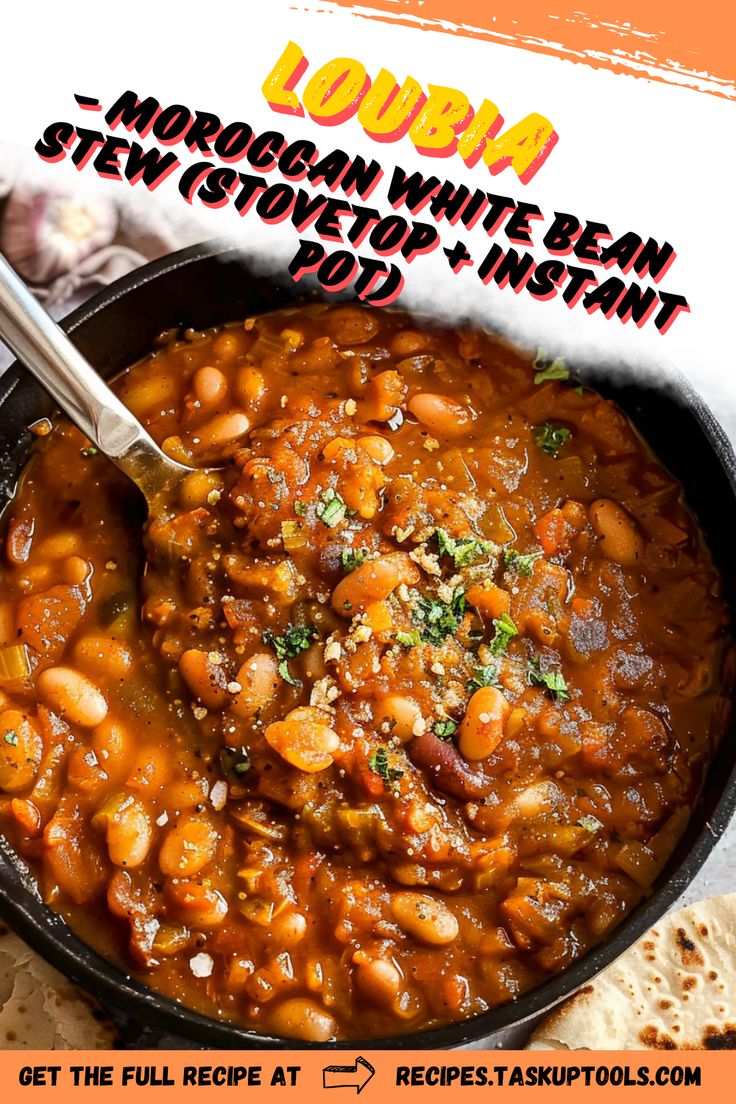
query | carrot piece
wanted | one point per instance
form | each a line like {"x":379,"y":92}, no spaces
{"x":556,"y":530}
{"x":379,"y":618}
{"x":27,"y":815}
{"x":491,"y":601}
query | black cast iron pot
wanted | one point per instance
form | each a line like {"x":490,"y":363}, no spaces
{"x":214,"y":283}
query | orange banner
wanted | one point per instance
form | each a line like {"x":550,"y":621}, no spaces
{"x":332,"y":1076}
{"x":676,"y":43}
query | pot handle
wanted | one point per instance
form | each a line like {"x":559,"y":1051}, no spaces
{"x":46,"y":351}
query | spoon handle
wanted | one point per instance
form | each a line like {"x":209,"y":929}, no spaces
{"x":46,"y":351}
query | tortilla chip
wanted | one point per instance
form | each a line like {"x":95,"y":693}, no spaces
{"x":40,"y":1009}
{"x":673,"y":990}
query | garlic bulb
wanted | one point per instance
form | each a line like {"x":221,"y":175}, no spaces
{"x":45,"y":234}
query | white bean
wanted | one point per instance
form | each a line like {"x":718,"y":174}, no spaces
{"x":73,"y":695}
{"x":209,"y":385}
{"x":619,"y":537}
{"x":424,"y":918}
{"x":222,"y":429}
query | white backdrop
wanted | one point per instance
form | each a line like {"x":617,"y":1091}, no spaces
{"x":636,"y":154}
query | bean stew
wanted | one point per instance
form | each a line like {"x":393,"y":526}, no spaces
{"x":401,"y":709}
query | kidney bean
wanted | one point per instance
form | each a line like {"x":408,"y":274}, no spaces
{"x":446,"y":768}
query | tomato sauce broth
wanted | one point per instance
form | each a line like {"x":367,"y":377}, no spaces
{"x":403,"y":707}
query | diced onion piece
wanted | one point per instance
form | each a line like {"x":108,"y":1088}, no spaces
{"x":292,"y":535}
{"x":268,"y":344}
{"x":175,"y":449}
{"x":258,"y":910}
{"x":14,"y":662}
{"x":639,"y":862}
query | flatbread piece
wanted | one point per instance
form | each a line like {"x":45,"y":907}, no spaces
{"x":673,"y":990}
{"x":40,"y":1009}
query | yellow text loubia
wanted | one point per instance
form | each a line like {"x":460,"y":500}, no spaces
{"x":440,"y":122}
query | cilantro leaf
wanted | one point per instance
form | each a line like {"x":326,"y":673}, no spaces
{"x":332,"y":509}
{"x":445,"y":543}
{"x":556,"y":370}
{"x":463,"y":550}
{"x":380,"y":764}
{"x":11,"y":738}
{"x":555,"y":683}
{"x":445,"y":729}
{"x":550,"y":438}
{"x":286,"y":673}
{"x":352,"y":558}
{"x":293,"y":642}
{"x":505,"y":629}
{"x":483,"y":676}
{"x":300,"y":508}
{"x":520,"y":563}
{"x":235,"y":760}
{"x":438,"y":619}
{"x":409,"y":639}
{"x":554,"y":680}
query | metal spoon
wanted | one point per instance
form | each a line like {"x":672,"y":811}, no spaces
{"x":46,"y":351}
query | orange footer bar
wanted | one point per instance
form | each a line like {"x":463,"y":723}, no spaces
{"x":333,"y":1076}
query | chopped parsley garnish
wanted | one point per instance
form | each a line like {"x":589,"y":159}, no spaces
{"x":409,"y":639}
{"x":380,"y":764}
{"x":444,"y":730}
{"x":11,"y":738}
{"x":88,"y":451}
{"x":550,"y":438}
{"x":352,"y":558}
{"x":299,"y":508}
{"x":556,"y":370}
{"x":521,"y":563}
{"x":438,"y":619}
{"x":235,"y":760}
{"x":332,"y":509}
{"x":293,"y":642}
{"x":505,"y":629}
{"x":463,"y":550}
{"x":483,"y":676}
{"x":554,"y":681}
{"x":590,"y":822}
